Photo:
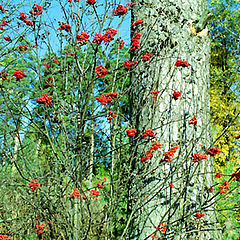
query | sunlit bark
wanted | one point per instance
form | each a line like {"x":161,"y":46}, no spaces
{"x":172,"y":30}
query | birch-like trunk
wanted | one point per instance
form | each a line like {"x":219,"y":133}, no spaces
{"x":15,"y":153}
{"x":169,"y":33}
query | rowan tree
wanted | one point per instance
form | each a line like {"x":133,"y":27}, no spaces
{"x":107,"y":136}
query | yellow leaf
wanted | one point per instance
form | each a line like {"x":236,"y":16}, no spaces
{"x":193,"y":30}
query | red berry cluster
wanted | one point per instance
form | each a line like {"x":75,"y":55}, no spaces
{"x":1,"y":9}
{"x":199,"y":215}
{"x":128,"y":64}
{"x":83,"y":38}
{"x":135,"y":42}
{"x":46,"y":66}
{"x":76,"y":193}
{"x":149,"y":154}
{"x":111,"y":115}
{"x":146,"y":57}
{"x":139,"y":21}
{"x":19,"y":74}
{"x":3,"y":24}
{"x":45,"y":99}
{"x":99,"y":185}
{"x":155,"y":146}
{"x":101,"y":71}
{"x":3,"y":75}
{"x":197,"y":157}
{"x":97,"y":38}
{"x":70,"y":53}
{"x":193,"y":121}
{"x":23,"y":47}
{"x":237,"y":137}
{"x":33,"y":185}
{"x":155,"y":93}
{"x":236,"y":175}
{"x":37,"y":10}
{"x":74,"y":1}
{"x":95,"y":193}
{"x":7,"y":39}
{"x":108,"y":36}
{"x":39,"y":228}
{"x":131,"y":132}
{"x":213,"y":151}
{"x":4,"y":237}
{"x":120,"y":11}
{"x":219,"y":175}
{"x":23,"y":17}
{"x":148,"y":133}
{"x":91,"y":2}
{"x":223,"y":188}
{"x":65,"y":27}
{"x":168,"y":155}
{"x":181,"y":63}
{"x":161,"y":228}
{"x":107,"y":98}
{"x":48,"y":84}
{"x":131,"y":4}
{"x":176,"y":95}
{"x":121,"y":44}
{"x":210,"y":189}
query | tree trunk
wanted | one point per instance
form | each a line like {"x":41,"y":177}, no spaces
{"x":172,"y":30}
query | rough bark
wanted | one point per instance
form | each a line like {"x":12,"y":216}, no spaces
{"x":173,"y":29}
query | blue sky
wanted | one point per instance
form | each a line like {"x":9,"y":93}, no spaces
{"x":53,"y":15}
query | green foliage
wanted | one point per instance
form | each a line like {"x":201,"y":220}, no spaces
{"x":225,"y":81}
{"x":228,"y":205}
{"x":225,"y":104}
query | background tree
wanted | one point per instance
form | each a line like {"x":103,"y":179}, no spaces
{"x":224,"y":97}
